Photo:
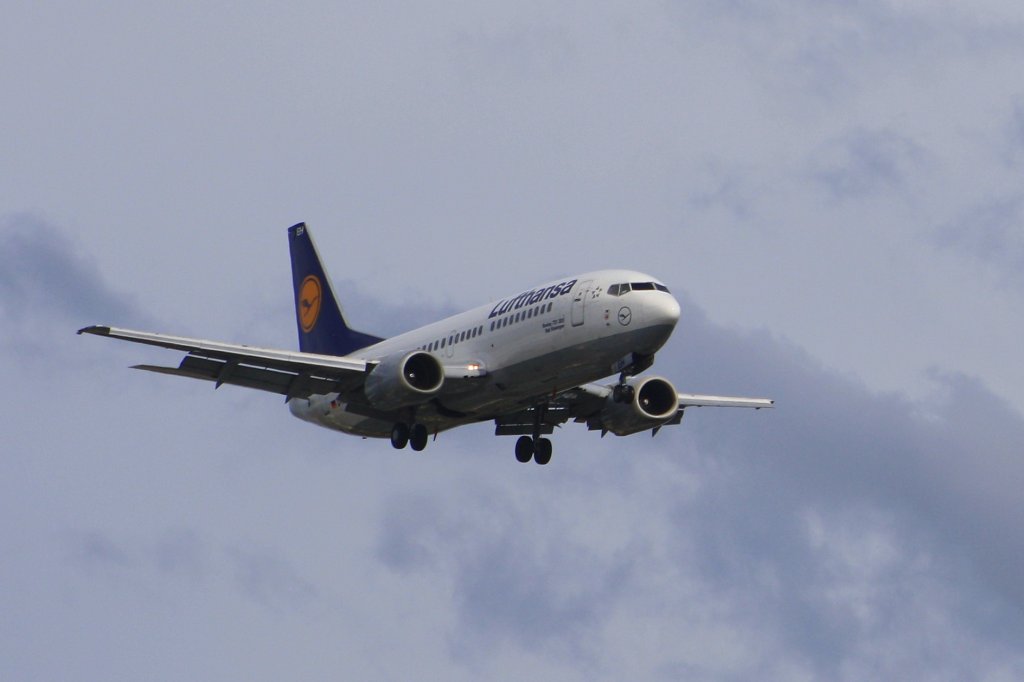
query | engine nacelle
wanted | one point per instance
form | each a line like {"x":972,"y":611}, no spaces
{"x":645,"y":403}
{"x":405,"y":379}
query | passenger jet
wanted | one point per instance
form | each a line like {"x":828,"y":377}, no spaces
{"x":526,"y":362}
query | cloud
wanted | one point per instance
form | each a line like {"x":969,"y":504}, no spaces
{"x":41,"y":272}
{"x":514,"y":580}
{"x":1013,"y":138}
{"x":917,"y":501}
{"x":864,"y":162}
{"x":271,"y":580}
{"x":47,"y":288}
{"x":844,"y":534}
{"x":991,"y":234}
{"x":94,"y":549}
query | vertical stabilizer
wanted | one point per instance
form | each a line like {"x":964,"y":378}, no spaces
{"x":321,"y":323}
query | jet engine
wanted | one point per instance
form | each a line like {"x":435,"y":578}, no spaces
{"x":641,"y":403}
{"x":401,"y":380}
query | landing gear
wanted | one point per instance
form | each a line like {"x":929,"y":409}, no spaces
{"x":542,"y":451}
{"x":538,"y":450}
{"x":399,"y":436}
{"x":534,"y":447}
{"x":415,"y":436}
{"x":418,"y":437}
{"x":524,"y":449}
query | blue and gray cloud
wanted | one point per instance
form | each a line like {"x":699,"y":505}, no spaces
{"x":844,"y":176}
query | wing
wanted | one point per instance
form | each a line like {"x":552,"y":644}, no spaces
{"x":585,"y":404}
{"x":694,"y":400}
{"x":290,"y":373}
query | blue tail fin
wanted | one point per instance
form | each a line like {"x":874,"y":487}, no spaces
{"x":322,"y":327}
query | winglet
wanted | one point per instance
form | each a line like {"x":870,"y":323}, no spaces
{"x":320,"y":320}
{"x":99,"y":330}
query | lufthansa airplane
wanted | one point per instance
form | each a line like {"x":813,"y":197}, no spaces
{"x":525,"y":362}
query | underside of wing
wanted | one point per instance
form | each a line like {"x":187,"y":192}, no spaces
{"x":289,"y":373}
{"x":645,"y":404}
{"x":579,"y":403}
{"x":695,"y":400}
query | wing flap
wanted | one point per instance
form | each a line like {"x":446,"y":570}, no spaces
{"x":267,"y":379}
{"x":290,"y":373}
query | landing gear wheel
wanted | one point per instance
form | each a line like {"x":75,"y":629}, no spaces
{"x":542,"y":451}
{"x":399,"y":436}
{"x":524,"y":449}
{"x":418,"y":437}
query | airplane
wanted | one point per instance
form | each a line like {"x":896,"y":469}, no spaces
{"x":527,"y":362}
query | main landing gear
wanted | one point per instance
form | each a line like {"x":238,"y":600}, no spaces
{"x":534,"y":447}
{"x":415,"y":436}
{"x":538,"y":449}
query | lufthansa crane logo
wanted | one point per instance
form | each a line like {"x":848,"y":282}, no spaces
{"x":625,"y":315}
{"x":309,"y":303}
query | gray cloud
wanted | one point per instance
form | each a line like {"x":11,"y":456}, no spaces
{"x":1013,"y":138}
{"x":269,"y":579}
{"x":846,"y":535}
{"x":48,"y":289}
{"x":533,"y":585}
{"x":846,"y":531}
{"x":991,"y":234}
{"x":42,"y":276}
{"x":92,"y":548}
{"x":864,"y":162}
{"x":936,"y":480}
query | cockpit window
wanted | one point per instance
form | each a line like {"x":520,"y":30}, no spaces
{"x":620,"y":289}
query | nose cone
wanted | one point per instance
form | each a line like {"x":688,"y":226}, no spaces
{"x":662,"y":311}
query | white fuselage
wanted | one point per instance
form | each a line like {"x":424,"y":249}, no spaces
{"x":520,"y":350}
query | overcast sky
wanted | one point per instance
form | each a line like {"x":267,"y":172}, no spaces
{"x":832,"y":190}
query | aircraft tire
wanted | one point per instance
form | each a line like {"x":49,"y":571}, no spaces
{"x":542,"y":451}
{"x":399,"y":436}
{"x":418,"y":437}
{"x":524,"y":449}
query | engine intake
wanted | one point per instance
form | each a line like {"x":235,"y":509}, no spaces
{"x":404,"y":379}
{"x":645,"y":403}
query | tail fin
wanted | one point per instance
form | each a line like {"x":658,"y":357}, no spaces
{"x":322,"y":327}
